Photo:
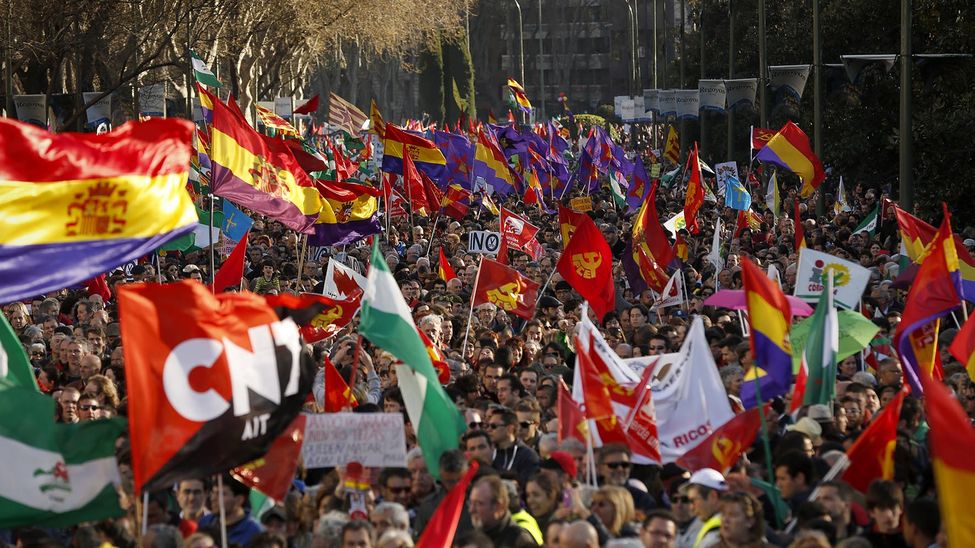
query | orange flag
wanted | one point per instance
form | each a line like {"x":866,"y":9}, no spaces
{"x":443,"y":524}
{"x":872,"y":454}
{"x":338,"y":395}
{"x":587,"y":265}
{"x":952,"y":443}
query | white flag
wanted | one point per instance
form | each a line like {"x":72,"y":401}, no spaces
{"x":841,"y":204}
{"x":673,"y":293}
{"x":688,"y":395}
{"x":340,"y":289}
{"x":714,"y":257}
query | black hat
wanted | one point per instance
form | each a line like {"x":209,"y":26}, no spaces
{"x":548,"y":302}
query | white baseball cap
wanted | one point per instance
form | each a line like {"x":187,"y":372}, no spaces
{"x":710,"y":478}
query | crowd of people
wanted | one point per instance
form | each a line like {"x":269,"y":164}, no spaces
{"x":530,"y":488}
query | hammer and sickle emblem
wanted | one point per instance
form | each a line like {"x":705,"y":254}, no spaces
{"x":506,"y":296}
{"x":587,"y":263}
{"x":724,"y":449}
{"x":327,"y":317}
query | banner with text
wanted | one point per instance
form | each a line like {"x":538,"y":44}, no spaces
{"x":372,"y":439}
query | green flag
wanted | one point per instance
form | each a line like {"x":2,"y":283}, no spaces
{"x":822,"y":347}
{"x":54,"y":475}
{"x":616,"y":189}
{"x":869,"y":223}
{"x":15,"y":367}
{"x":202,"y":72}
{"x":388,"y":323}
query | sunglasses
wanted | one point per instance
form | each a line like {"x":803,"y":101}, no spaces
{"x":474,"y":425}
{"x":88,"y":407}
{"x":526,"y":424}
{"x":494,"y":426}
{"x":618,"y":465}
{"x":399,"y":490}
{"x":681,"y":500}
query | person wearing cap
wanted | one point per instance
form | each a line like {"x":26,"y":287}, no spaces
{"x":704,"y":491}
{"x":192,"y":272}
{"x":811,"y":429}
{"x":550,"y":309}
{"x":561,"y":467}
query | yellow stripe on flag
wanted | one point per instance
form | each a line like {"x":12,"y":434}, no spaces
{"x":769,"y":321}
{"x":91,"y":210}
{"x":418,"y":154}
{"x":797,"y":161}
{"x":229,"y":154}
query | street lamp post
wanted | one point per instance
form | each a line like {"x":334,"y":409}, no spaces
{"x":906,"y":170}
{"x":632,"y":47}
{"x":521,"y":44}
{"x":541,"y":67}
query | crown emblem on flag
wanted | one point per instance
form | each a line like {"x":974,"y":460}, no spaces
{"x":99,"y":211}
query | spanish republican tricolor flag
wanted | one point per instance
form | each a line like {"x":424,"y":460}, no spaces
{"x":520,"y":96}
{"x":769,"y":318}
{"x":424,"y":153}
{"x":77,"y":205}
{"x":952,"y":442}
{"x":790,"y":149}
{"x":917,"y":235}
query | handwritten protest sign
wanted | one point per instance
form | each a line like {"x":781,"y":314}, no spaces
{"x":373,"y":439}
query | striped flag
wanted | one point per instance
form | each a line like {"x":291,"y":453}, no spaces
{"x":202,"y":72}
{"x":388,"y":323}
{"x":869,"y":223}
{"x":344,"y":114}
{"x":822,"y":346}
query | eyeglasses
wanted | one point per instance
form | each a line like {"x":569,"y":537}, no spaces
{"x":681,"y":500}
{"x":494,"y":425}
{"x":399,"y":490}
{"x":526,"y":424}
{"x":617,"y":465}
{"x":474,"y":425}
{"x":658,"y":347}
{"x":88,"y":407}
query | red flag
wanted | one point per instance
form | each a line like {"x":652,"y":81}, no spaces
{"x":433,"y":194}
{"x":212,"y":379}
{"x":413,"y":184}
{"x":506,"y":288}
{"x":799,"y":392}
{"x":310,"y":106}
{"x":437,"y":358}
{"x":872,"y":454}
{"x":97,"y":286}
{"x":338,"y":395}
{"x":963,"y":347}
{"x":519,"y":234}
{"x":273,"y":473}
{"x":442,"y":526}
{"x":761,"y":136}
{"x":800,"y":231}
{"x":232,"y":270}
{"x":453,"y":202}
{"x":587,"y":265}
{"x":572,"y":421}
{"x":651,"y":250}
{"x":695,"y":192}
{"x":596,"y":395}
{"x":640,"y":424}
{"x":327,"y":316}
{"x":569,"y":220}
{"x":723,"y":446}
{"x":446,"y":271}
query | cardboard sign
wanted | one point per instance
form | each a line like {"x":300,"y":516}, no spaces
{"x":581,"y":204}
{"x":483,"y":241}
{"x":336,"y":439}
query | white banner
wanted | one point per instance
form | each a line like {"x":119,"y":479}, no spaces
{"x":152,"y":100}
{"x":650,"y":100}
{"x":667,"y":102}
{"x":741,"y":93}
{"x":688,"y":102}
{"x":32,"y":109}
{"x":99,"y":113}
{"x":197,"y":111}
{"x":284,"y":107}
{"x":713,"y":95}
{"x":640,"y":113}
{"x":372,"y":439}
{"x":849,"y":278}
{"x":627,"y":111}
{"x":483,"y":241}
{"x":789,"y":78}
{"x":676,"y":223}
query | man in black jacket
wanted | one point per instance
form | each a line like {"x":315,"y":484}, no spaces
{"x":488,"y":505}
{"x":510,"y":454}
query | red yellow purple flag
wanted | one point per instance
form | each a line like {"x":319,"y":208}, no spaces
{"x":963,"y":347}
{"x":952,"y":442}
{"x":769,"y":320}
{"x":695,"y":192}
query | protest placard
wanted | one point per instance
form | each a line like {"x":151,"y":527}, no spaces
{"x":483,"y":241}
{"x":336,"y":439}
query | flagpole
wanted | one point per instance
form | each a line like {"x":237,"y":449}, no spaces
{"x":144,"y":526}
{"x":301,"y":256}
{"x":432,"y":232}
{"x":544,"y":287}
{"x":767,"y":448}
{"x":470,"y":313}
{"x":213,"y":250}
{"x":223,"y":513}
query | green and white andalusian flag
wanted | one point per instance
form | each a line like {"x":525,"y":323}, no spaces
{"x":15,"y":367}
{"x":869,"y":223}
{"x":822,"y":346}
{"x":54,"y":475}
{"x":202,"y":72}
{"x":388,"y":323}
